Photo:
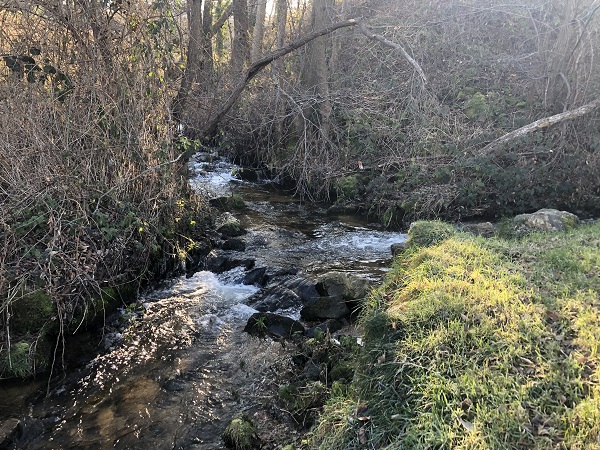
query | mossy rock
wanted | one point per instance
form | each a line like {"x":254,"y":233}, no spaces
{"x":347,"y":187}
{"x":425,"y":233}
{"x":26,"y":358}
{"x":96,"y":309}
{"x":240,"y":434}
{"x":31,"y":313}
{"x":545,"y":220}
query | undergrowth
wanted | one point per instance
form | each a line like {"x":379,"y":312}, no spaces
{"x":479,"y":344}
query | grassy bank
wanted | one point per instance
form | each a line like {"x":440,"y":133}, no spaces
{"x":479,"y":344}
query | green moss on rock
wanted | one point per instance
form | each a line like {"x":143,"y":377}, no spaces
{"x":425,"y":233}
{"x":31,"y":312}
{"x":25,"y":358}
{"x":240,"y":434}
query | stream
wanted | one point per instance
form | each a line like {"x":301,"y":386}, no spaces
{"x":173,"y":374}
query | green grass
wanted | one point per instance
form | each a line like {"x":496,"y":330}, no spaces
{"x":479,"y":344}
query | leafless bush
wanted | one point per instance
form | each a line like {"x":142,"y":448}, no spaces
{"x":86,"y":197}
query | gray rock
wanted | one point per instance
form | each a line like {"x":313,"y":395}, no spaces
{"x":485,"y":229}
{"x":306,"y":289}
{"x":341,"y":284}
{"x":545,"y":220}
{"x":234,"y":244}
{"x":8,"y":430}
{"x":275,"y":298}
{"x":332,"y":307}
{"x":256,"y":276}
{"x":229,"y":226}
{"x":220,"y":264}
{"x":274,"y":325}
{"x":398,"y":248}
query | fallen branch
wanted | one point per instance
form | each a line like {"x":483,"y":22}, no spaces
{"x":539,"y":125}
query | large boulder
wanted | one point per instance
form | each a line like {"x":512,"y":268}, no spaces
{"x":339,"y":284}
{"x":305,"y":288}
{"x":274,"y":298}
{"x":398,"y":248}
{"x":484,"y":229}
{"x":545,"y":220}
{"x":222,"y":263}
{"x":229,"y":226}
{"x":321,"y":308}
{"x":234,"y":244}
{"x":274,"y":325}
{"x":257,"y":276}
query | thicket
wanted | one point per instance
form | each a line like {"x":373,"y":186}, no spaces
{"x":474,"y":343}
{"x":91,"y":204}
{"x":490,"y":68}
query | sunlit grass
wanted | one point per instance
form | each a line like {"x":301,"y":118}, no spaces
{"x":480,"y":344}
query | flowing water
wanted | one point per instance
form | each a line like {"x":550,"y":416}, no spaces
{"x":174,"y":376}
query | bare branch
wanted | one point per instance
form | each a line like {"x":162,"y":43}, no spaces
{"x":221,"y":20}
{"x":539,"y":125}
{"x":364,"y":30}
{"x":257,"y":66}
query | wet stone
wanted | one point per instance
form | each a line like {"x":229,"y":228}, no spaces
{"x":8,"y":430}
{"x":220,"y":264}
{"x":398,"y":248}
{"x":274,"y":325}
{"x":174,"y":386}
{"x":234,"y":244}
{"x":256,"y":276}
{"x":332,"y":307}
{"x":275,"y":298}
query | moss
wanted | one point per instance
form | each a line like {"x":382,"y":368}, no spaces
{"x":342,"y":370}
{"x":31,"y":313}
{"x":477,"y":107}
{"x":107,"y":301}
{"x":570,"y":221}
{"x":425,"y":233}
{"x":346,"y":187}
{"x":25,"y":359}
{"x":235,"y":202}
{"x":240,"y":434}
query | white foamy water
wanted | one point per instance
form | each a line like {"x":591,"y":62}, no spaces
{"x":213,"y":180}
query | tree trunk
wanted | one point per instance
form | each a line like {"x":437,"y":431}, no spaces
{"x":279,"y":66}
{"x":241,"y":44}
{"x":259,"y":30}
{"x":315,"y":76}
